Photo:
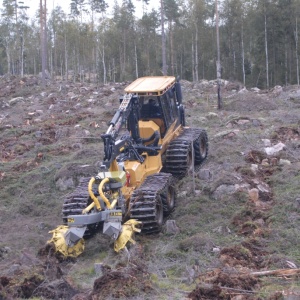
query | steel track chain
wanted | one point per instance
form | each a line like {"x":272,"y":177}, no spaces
{"x":178,"y":153}
{"x":145,"y":199}
{"x":76,"y":201}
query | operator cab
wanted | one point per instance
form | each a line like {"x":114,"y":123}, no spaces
{"x":160,"y":101}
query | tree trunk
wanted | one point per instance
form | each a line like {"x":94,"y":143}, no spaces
{"x":193,"y":60}
{"x":163,"y":37}
{"x":296,"y":50}
{"x":8,"y":57}
{"x":243,"y":56}
{"x":22,"y":54}
{"x":171,"y":48}
{"x":196,"y":55}
{"x":136,"y":62}
{"x":266,"y":51}
{"x":43,"y":41}
{"x":66,"y":60}
{"x":218,"y":58}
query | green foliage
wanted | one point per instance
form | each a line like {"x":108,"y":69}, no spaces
{"x":124,"y":45}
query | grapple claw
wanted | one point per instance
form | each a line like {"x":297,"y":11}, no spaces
{"x":59,"y":241}
{"x":128,"y":229}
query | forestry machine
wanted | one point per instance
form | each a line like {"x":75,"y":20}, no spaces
{"x":147,"y":147}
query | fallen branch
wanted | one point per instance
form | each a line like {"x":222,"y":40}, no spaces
{"x":238,"y":290}
{"x":280,"y":272}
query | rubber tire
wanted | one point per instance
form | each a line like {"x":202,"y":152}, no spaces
{"x":159,"y":212}
{"x":169,"y":200}
{"x":200,"y":148}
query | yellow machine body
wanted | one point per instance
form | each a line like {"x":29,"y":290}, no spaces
{"x":128,"y":162}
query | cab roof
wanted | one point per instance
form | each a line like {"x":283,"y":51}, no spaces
{"x":151,"y":85}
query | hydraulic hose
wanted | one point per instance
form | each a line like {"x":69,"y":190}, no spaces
{"x":100,"y":190}
{"x":90,"y":190}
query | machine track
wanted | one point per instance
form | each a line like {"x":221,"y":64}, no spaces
{"x":76,"y":201}
{"x":179,"y":158}
{"x":152,"y":200}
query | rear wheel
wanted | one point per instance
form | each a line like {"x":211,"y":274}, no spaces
{"x":200,"y":147}
{"x":168,"y":199}
{"x":159,"y":214}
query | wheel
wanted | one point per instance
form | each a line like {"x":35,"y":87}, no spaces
{"x":159,"y":214}
{"x":200,"y":147}
{"x":168,"y":199}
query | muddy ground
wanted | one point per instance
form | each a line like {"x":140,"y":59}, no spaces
{"x":237,"y":222}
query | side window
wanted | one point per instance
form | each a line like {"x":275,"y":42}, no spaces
{"x":171,"y":101}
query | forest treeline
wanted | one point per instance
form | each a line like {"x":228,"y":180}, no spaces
{"x":93,"y":41}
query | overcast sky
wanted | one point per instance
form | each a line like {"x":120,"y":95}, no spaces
{"x":65,"y":4}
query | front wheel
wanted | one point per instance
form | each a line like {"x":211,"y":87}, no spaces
{"x":200,"y":147}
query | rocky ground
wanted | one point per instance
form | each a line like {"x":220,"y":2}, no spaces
{"x":236,"y":221}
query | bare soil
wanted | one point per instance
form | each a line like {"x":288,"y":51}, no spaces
{"x":238,"y":216}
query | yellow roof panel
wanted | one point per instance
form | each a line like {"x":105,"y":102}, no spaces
{"x":151,"y":84}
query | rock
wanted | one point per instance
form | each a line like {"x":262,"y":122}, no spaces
{"x":274,"y":161}
{"x":267,"y":142}
{"x":38,"y":134}
{"x":260,"y":222}
{"x":77,"y":146}
{"x":277,"y":90}
{"x":171,"y":227}
{"x":265,"y":162}
{"x":255,"y":89}
{"x":275,"y":149}
{"x":39,"y":111}
{"x":254,"y":168}
{"x":204,"y":174}
{"x":71,"y":95}
{"x":243,"y":121}
{"x":28,"y":259}
{"x":256,"y":123}
{"x":98,"y":269}
{"x":15,"y":100}
{"x":212,"y":115}
{"x":101,"y":269}
{"x":86,"y":133}
{"x":182,"y":194}
{"x":243,"y":91}
{"x":13,"y":269}
{"x":37,"y":120}
{"x":223,"y":190}
{"x":284,"y":162}
{"x":224,"y":230}
{"x":63,"y":184}
{"x":253,"y":195}
{"x":227,"y":133}
{"x":41,"y":225}
{"x":216,"y":249}
{"x":264,"y":191}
